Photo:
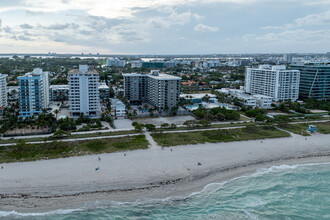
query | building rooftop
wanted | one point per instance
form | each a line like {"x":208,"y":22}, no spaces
{"x":162,"y":76}
{"x":59,"y":86}
{"x":155,"y":74}
{"x":103,"y":86}
{"x":83,"y":69}
{"x":35,"y":73}
{"x":76,"y":71}
{"x":197,"y":96}
{"x":311,"y":64}
{"x":262,"y":96}
{"x":117,"y":103}
{"x":135,"y":74}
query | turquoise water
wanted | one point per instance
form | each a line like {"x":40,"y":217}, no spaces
{"x":280,"y":192}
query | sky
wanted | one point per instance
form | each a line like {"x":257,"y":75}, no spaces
{"x":164,"y":26}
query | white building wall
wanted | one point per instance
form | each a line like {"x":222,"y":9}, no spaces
{"x":276,"y":82}
{"x":3,"y":90}
{"x":83,"y":92}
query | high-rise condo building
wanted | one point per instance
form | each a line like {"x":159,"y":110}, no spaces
{"x":158,"y":89}
{"x":83,"y":92}
{"x":135,"y":87}
{"x":33,"y":93}
{"x":274,"y":81}
{"x":314,"y":80}
{"x":3,"y":90}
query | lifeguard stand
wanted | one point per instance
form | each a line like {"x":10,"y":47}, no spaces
{"x":311,"y":128}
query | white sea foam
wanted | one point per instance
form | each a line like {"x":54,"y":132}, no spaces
{"x":209,"y":188}
{"x":56,"y":212}
{"x":286,"y":167}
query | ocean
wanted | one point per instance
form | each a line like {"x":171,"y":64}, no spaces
{"x":279,"y":192}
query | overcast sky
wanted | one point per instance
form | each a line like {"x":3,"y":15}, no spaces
{"x":164,"y":26}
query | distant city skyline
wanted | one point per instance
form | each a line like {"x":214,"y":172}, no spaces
{"x":165,"y":26}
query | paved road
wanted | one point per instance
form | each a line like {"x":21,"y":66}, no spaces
{"x":153,"y":144}
{"x":102,"y":131}
{"x":73,"y":133}
{"x":74,"y":139}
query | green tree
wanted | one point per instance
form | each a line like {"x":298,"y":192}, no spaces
{"x":150,"y":127}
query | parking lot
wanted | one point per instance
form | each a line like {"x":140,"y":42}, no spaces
{"x":178,"y":120}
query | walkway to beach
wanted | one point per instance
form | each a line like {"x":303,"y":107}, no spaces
{"x":152,"y":142}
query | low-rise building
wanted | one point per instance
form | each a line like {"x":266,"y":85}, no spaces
{"x":118,"y":108}
{"x":59,"y":92}
{"x":104,"y":91}
{"x":12,"y":92}
{"x":196,"y":98}
{"x":248,"y":100}
{"x":264,"y":102}
{"x":153,"y":64}
{"x":115,"y":62}
{"x":243,"y":98}
{"x":136,"y":64}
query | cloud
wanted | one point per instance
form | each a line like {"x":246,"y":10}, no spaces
{"x":311,"y":20}
{"x":62,"y":26}
{"x":24,"y":38}
{"x":298,"y":35}
{"x":112,"y":8}
{"x":7,"y":29}
{"x":139,"y":26}
{"x":205,"y":28}
{"x":26,"y":26}
{"x":316,"y":19}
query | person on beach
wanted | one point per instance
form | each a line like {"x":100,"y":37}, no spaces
{"x":99,"y":158}
{"x":97,"y":168}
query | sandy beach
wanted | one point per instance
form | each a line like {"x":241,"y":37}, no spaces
{"x":154,"y":173}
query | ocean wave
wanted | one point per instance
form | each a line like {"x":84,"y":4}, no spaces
{"x":282,"y":167}
{"x":18,"y":214}
{"x":217,"y":185}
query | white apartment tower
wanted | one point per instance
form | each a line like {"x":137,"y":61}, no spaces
{"x":3,"y":90}
{"x":83,"y":92}
{"x":163,"y":90}
{"x":274,"y":81}
{"x":33,"y":93}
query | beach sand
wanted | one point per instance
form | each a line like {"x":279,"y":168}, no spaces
{"x":154,"y":173}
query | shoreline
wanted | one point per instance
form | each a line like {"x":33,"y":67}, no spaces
{"x":166,"y":175}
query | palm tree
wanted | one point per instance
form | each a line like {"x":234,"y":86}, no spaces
{"x":56,"y":112}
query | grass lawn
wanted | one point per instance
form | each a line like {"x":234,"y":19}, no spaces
{"x":30,"y":152}
{"x":199,"y":137}
{"x":241,"y":123}
{"x":295,"y":128}
{"x":322,"y":127}
{"x":73,"y":135}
